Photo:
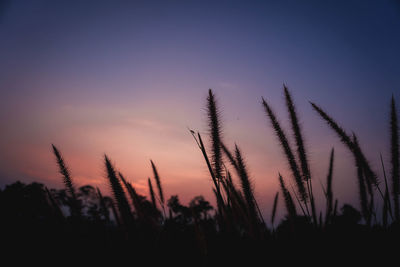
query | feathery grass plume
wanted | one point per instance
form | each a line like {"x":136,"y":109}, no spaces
{"x":245,"y":183}
{"x":64,"y":171}
{"x":344,"y":137}
{"x":125,"y":183}
{"x":287,"y":150}
{"x":136,"y":200}
{"x":355,"y":149}
{"x":290,"y":207}
{"x":158,"y":182}
{"x":215,"y":134}
{"x":364,"y":169}
{"x":133,"y":195}
{"x":394,"y":149}
{"x":275,"y":205}
{"x":103,"y":205}
{"x":301,"y":151}
{"x":76,"y":209}
{"x":329,"y":193}
{"x":151,"y":191}
{"x":119,"y":194}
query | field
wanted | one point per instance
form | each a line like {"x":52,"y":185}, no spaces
{"x":129,"y":227}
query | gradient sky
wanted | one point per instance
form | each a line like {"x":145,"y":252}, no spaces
{"x":127,"y":78}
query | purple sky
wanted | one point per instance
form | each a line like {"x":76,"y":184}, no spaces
{"x":127,"y":78}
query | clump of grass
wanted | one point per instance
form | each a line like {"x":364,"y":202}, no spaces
{"x":240,"y":167}
{"x":235,"y":201}
{"x":290,"y":206}
{"x":236,"y":208}
{"x":365,"y":175}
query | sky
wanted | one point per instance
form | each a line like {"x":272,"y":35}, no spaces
{"x":128,"y":78}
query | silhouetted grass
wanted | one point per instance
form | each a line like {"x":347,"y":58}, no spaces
{"x":195,"y":234}
{"x":289,"y":204}
{"x":274,"y":207}
{"x":215,"y":134}
{"x":329,"y":191}
{"x":151,"y":192}
{"x":288,"y":152}
{"x":387,"y":206}
{"x":394,"y":130}
{"x":301,"y":151}
{"x":247,"y":187}
{"x":118,"y":192}
{"x":133,"y":195}
{"x":68,"y":182}
{"x":217,"y":189}
{"x":355,"y":149}
{"x":230,"y":157}
{"x":362,"y":189}
{"x":158,"y":182}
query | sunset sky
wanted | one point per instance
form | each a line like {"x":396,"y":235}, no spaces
{"x":127,"y":78}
